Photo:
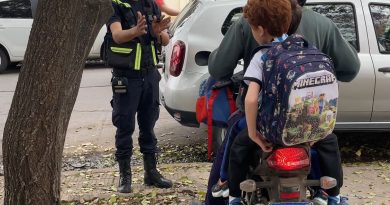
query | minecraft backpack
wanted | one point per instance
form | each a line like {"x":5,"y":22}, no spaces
{"x":299,"y":93}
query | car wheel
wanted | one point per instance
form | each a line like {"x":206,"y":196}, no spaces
{"x":218,"y":136}
{"x":3,"y":61}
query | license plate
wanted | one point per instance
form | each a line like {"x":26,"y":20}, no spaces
{"x":292,"y":203}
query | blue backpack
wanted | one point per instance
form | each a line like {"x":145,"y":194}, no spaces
{"x":214,"y":106}
{"x":299,"y":93}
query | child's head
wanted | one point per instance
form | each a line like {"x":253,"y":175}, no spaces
{"x":268,"y":18}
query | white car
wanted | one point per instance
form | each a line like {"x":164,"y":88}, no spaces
{"x":364,"y":103}
{"x":15,"y":25}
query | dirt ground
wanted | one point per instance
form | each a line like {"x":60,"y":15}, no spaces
{"x":364,"y":184}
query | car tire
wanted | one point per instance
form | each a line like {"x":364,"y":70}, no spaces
{"x":218,"y":136}
{"x":4,"y":62}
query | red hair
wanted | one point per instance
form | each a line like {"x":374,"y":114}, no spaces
{"x":273,"y":15}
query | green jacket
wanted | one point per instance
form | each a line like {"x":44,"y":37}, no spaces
{"x":239,"y":43}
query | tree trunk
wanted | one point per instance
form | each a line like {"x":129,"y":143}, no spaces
{"x":61,"y":37}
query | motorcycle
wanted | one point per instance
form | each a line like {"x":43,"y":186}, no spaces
{"x":280,"y":178}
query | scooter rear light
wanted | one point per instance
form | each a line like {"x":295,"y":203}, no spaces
{"x":287,"y":159}
{"x":177,"y":58}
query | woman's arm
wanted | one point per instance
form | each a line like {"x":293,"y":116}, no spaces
{"x":170,"y":11}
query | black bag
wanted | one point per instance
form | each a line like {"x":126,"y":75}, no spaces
{"x":123,"y":56}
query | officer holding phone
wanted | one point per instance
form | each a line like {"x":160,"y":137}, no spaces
{"x":135,"y":31}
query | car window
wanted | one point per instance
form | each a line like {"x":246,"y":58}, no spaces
{"x":184,"y":15}
{"x":380,"y":15}
{"x":343,"y":15}
{"x":15,"y":9}
{"x":232,"y":17}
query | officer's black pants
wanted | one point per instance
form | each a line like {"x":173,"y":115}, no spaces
{"x":243,"y":149}
{"x":142,"y":98}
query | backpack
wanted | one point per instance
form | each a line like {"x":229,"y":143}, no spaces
{"x":214,"y":106}
{"x":299,"y":93}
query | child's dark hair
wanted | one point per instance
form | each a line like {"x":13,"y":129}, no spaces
{"x":273,"y":15}
{"x":296,"y":13}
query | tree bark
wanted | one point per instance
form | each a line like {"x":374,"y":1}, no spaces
{"x":61,"y":37}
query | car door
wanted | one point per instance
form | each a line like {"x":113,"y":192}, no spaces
{"x":377,"y":15}
{"x":15,"y":25}
{"x":356,"y":97}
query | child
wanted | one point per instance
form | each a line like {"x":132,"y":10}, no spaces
{"x":291,"y":9}
{"x":268,"y":20}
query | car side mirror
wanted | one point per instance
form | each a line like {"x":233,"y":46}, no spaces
{"x":202,"y":58}
{"x":34,"y":4}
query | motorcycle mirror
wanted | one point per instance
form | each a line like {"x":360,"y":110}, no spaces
{"x":327,"y":182}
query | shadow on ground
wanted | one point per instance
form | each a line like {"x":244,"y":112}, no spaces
{"x":364,"y":146}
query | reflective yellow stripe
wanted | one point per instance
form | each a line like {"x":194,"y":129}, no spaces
{"x":121,"y":50}
{"x":119,"y":2}
{"x":126,"y":5}
{"x":138,"y":56}
{"x":154,"y":53}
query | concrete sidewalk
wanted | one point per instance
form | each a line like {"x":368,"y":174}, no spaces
{"x":364,"y":184}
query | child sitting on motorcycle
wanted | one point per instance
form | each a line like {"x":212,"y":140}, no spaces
{"x":269,"y":20}
{"x":267,"y":25}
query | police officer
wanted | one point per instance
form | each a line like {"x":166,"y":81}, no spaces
{"x":138,"y":21}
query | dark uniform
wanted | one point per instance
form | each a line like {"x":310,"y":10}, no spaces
{"x":141,"y":97}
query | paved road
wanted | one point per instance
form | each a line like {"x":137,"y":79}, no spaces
{"x":91,"y":117}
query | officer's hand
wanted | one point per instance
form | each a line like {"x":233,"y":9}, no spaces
{"x":141,"y":28}
{"x":161,"y":25}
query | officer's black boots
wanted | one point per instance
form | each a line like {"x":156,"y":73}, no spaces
{"x":152,"y":177}
{"x":125,"y":176}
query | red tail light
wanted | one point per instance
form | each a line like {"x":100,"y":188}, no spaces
{"x":177,"y":58}
{"x":287,"y":159}
{"x":287,"y":196}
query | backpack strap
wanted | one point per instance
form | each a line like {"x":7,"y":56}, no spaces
{"x":257,"y":49}
{"x":232,"y":107}
{"x":295,"y":40}
{"x":232,"y":102}
{"x":214,"y":94}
